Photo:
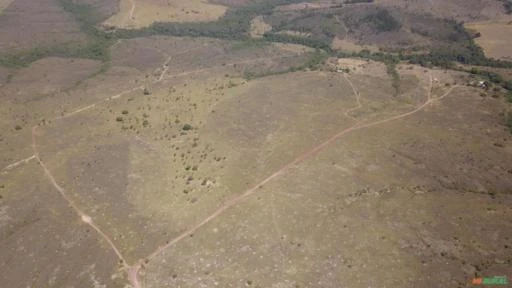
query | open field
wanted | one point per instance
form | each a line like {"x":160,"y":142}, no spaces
{"x":142,"y":13}
{"x":496,"y":37}
{"x":173,"y":170}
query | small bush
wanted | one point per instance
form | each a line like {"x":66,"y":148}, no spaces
{"x":124,"y":112}
{"x":119,"y":119}
{"x":187,"y":127}
{"x":17,"y":127}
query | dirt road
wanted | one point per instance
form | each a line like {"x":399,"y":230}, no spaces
{"x":133,"y":272}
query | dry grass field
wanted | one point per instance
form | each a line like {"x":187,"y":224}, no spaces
{"x":202,"y":162}
{"x":303,"y":179}
{"x":496,"y":37}
{"x":142,"y":13}
{"x":4,"y":4}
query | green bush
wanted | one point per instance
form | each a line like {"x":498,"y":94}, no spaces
{"x":187,"y":127}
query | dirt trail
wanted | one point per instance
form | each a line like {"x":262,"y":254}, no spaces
{"x":17,"y":163}
{"x":357,"y":95}
{"x":133,"y":272}
{"x":129,"y":16}
{"x":87,"y":219}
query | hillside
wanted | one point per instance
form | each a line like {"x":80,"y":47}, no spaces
{"x":259,"y":143}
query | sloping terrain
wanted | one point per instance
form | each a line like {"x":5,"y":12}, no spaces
{"x":143,"y":13}
{"x":462,"y":10}
{"x":295,"y":180}
{"x":225,"y":161}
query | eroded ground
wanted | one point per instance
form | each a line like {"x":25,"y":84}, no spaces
{"x":173,"y":170}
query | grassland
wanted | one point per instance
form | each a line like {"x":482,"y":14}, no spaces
{"x":214,"y":159}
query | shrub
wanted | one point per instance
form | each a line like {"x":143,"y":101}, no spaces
{"x":187,"y":127}
{"x":119,"y":119}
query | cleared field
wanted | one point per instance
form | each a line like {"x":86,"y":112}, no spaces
{"x":496,"y":38}
{"x":349,"y":46}
{"x":171,"y":170}
{"x":142,"y":13}
{"x":4,"y":4}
